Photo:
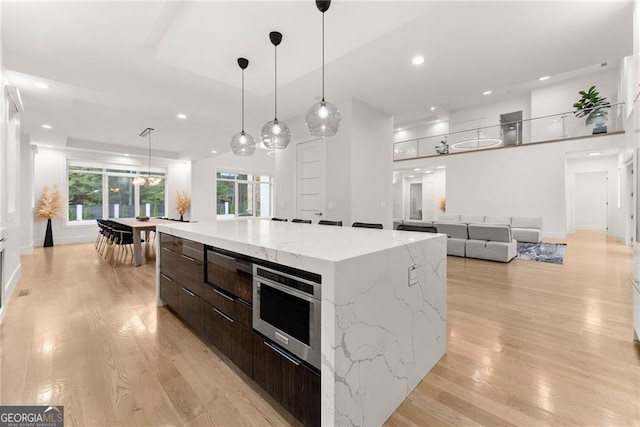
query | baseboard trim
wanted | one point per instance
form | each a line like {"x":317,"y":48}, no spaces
{"x":8,"y":291}
{"x":555,"y":235}
{"x":26,"y":250}
{"x":69,"y":240}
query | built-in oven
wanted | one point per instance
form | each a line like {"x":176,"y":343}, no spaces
{"x":286,"y":309}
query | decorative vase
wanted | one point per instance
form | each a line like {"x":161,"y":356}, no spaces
{"x":181,"y":219}
{"x":48,"y":235}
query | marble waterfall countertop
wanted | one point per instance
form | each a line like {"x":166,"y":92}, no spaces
{"x":383,"y":304}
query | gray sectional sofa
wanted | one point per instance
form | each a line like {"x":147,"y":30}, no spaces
{"x":486,"y":237}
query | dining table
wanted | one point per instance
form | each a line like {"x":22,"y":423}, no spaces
{"x":138,"y":226}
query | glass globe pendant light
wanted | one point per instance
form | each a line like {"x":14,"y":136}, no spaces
{"x":242,"y":144}
{"x":323,"y":118}
{"x":275,"y":134}
{"x":147,"y":179}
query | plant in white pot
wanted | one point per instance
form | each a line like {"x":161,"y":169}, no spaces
{"x":595,"y":108}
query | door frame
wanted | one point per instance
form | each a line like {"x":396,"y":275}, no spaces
{"x":323,"y":184}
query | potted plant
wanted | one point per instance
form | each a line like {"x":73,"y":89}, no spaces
{"x":595,"y":108}
{"x":49,"y":206}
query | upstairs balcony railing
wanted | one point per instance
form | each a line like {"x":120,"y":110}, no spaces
{"x":555,"y":127}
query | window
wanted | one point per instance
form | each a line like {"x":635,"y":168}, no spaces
{"x":243,"y":195}
{"x":97,"y":191}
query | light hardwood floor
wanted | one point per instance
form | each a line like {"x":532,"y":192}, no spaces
{"x":530,"y":344}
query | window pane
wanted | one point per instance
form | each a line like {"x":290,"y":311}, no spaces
{"x":245,"y":177}
{"x":245,"y":199}
{"x":263,"y":178}
{"x":226,"y":175}
{"x":152,"y":199}
{"x":85,"y":196}
{"x":263,"y":200}
{"x":226,"y":199}
{"x":121,"y":197}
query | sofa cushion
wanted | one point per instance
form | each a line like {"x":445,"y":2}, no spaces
{"x":497,"y":220}
{"x":449,"y":218}
{"x":526,"y":222}
{"x":492,"y":251}
{"x":456,"y":230}
{"x":493,"y":232}
{"x":469,"y":219}
{"x":529,"y":235}
{"x":456,"y":247}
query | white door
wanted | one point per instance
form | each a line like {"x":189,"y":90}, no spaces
{"x":310,"y":180}
{"x":590,"y":201}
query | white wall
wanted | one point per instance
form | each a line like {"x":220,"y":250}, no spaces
{"x":371,"y":165}
{"x":528,"y":180}
{"x":609,"y":164}
{"x":203,"y":179}
{"x":556,"y":98}
{"x":422,"y":131}
{"x":358,"y":167}
{"x":26,"y":195}
{"x":178,"y":180}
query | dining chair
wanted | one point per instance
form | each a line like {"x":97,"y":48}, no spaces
{"x":279,"y":219}
{"x":367,"y":225}
{"x":301,"y":221}
{"x":326,"y":222}
{"x":421,"y":228}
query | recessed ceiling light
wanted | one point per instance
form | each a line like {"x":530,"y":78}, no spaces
{"x":594,"y":153}
{"x":432,"y":108}
{"x":416,"y":169}
{"x":417,"y":60}
{"x":46,"y":127}
{"x":428,"y":171}
{"x":440,"y":167}
{"x":511,"y":127}
{"x":410,"y":176}
{"x":438,"y":121}
{"x":543,"y":78}
{"x":486,"y":92}
{"x":48,"y":146}
{"x":182,"y":116}
{"x":214,"y":151}
{"x":41,"y":85}
{"x":126,"y":154}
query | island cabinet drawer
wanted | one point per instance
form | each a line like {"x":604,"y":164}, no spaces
{"x":191,"y":274}
{"x":172,"y":242}
{"x":229,"y":337}
{"x":288,"y":380}
{"x":220,"y":300}
{"x":169,"y":291}
{"x":193,"y":250}
{"x":190,"y":308}
{"x":170,"y":263}
{"x":221,"y":271}
{"x":243,"y":313}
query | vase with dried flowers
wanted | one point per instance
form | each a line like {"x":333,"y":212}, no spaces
{"x":443,"y":204}
{"x":182,"y":203}
{"x":49,"y":206}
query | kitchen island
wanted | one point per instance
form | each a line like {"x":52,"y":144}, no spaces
{"x":383,"y":305}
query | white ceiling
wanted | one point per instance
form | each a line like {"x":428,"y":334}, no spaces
{"x":116,"y":68}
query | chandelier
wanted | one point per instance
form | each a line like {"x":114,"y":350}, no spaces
{"x":147,"y":179}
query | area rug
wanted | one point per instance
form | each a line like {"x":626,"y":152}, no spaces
{"x":543,"y":252}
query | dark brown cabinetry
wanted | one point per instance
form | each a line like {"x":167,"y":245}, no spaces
{"x":182,"y":278}
{"x":229,"y":291}
{"x":288,"y":380}
{"x":213,"y":294}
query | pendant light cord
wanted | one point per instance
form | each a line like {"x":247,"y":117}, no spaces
{"x":149,"y":153}
{"x":243,"y":100}
{"x":322,"y":56}
{"x":275,"y":52}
